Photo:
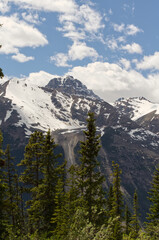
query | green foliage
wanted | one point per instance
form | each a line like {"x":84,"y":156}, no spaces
{"x":72,"y":207}
{"x":109,"y":201}
{"x":117,"y":202}
{"x":73,"y":199}
{"x":82,"y":229}
{"x":141,"y":236}
{"x":117,"y":205}
{"x":45,"y":204}
{"x":153,"y":231}
{"x":3,"y":219}
{"x":32,"y":163}
{"x":60,"y":216}
{"x":3,"y":187}
{"x":1,"y":152}
{"x":32,"y":177}
{"x":135,"y":217}
{"x":153,"y":216}
{"x":89,"y":178}
{"x":12,"y":198}
{"x":106,"y":232}
{"x":152,"y":226}
{"x":40,"y":178}
{"x":127,"y":220}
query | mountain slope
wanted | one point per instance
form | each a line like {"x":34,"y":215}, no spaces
{"x":141,"y":110}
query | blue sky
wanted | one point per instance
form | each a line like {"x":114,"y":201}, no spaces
{"x":112,"y":46}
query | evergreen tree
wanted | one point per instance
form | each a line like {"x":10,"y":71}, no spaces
{"x":73,"y":199}
{"x":135,"y":217}
{"x":3,"y":218}
{"x":3,"y":221}
{"x":153,"y":215}
{"x":32,"y":163}
{"x":117,"y":205}
{"x":60,"y":217}
{"x":1,"y":151}
{"x":109,"y":201}
{"x":9,"y":178}
{"x":1,"y":73}
{"x":46,"y":190}
{"x":32,"y":176}
{"x":18,"y":208}
{"x":13,"y":200}
{"x":90,"y":179}
{"x":127,"y":220}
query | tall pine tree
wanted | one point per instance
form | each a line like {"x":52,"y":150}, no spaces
{"x":127,"y":220}
{"x":3,"y":219}
{"x":13,"y":199}
{"x":31,"y":176}
{"x":135,"y":217}
{"x":47,"y":188}
{"x":117,"y":203}
{"x":153,"y":215}
{"x":89,"y":178}
{"x":60,"y":218}
{"x":9,"y":177}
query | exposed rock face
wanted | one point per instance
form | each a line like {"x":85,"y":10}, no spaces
{"x":141,"y":110}
{"x":150,"y":121}
{"x":62,"y":104}
{"x":71,"y":86}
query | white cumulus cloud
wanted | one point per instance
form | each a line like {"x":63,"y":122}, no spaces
{"x":132,"y":48}
{"x":84,"y":22}
{"x":106,"y":76}
{"x":112,"y":43}
{"x":125,"y":63}
{"x":47,"y":5}
{"x":149,"y":62}
{"x":132,"y":29}
{"x":79,"y":51}
{"x":111,"y":81}
{"x":60,"y":60}
{"x":31,"y":18}
{"x":22,"y":58}
{"x":129,"y":29}
{"x":91,"y":19}
{"x":119,"y":27}
{"x":16,"y":34}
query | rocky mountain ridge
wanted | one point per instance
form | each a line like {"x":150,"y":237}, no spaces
{"x":141,"y":110}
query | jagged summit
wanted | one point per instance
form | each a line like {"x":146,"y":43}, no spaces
{"x":135,"y":107}
{"x":141,"y":110}
{"x":71,"y":86}
{"x":131,"y":99}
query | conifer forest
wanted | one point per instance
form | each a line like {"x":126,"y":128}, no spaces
{"x":41,"y":198}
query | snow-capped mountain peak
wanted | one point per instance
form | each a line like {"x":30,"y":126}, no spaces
{"x":71,"y":86}
{"x":136,"y":107}
{"x":42,"y":101}
{"x":141,"y":110}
